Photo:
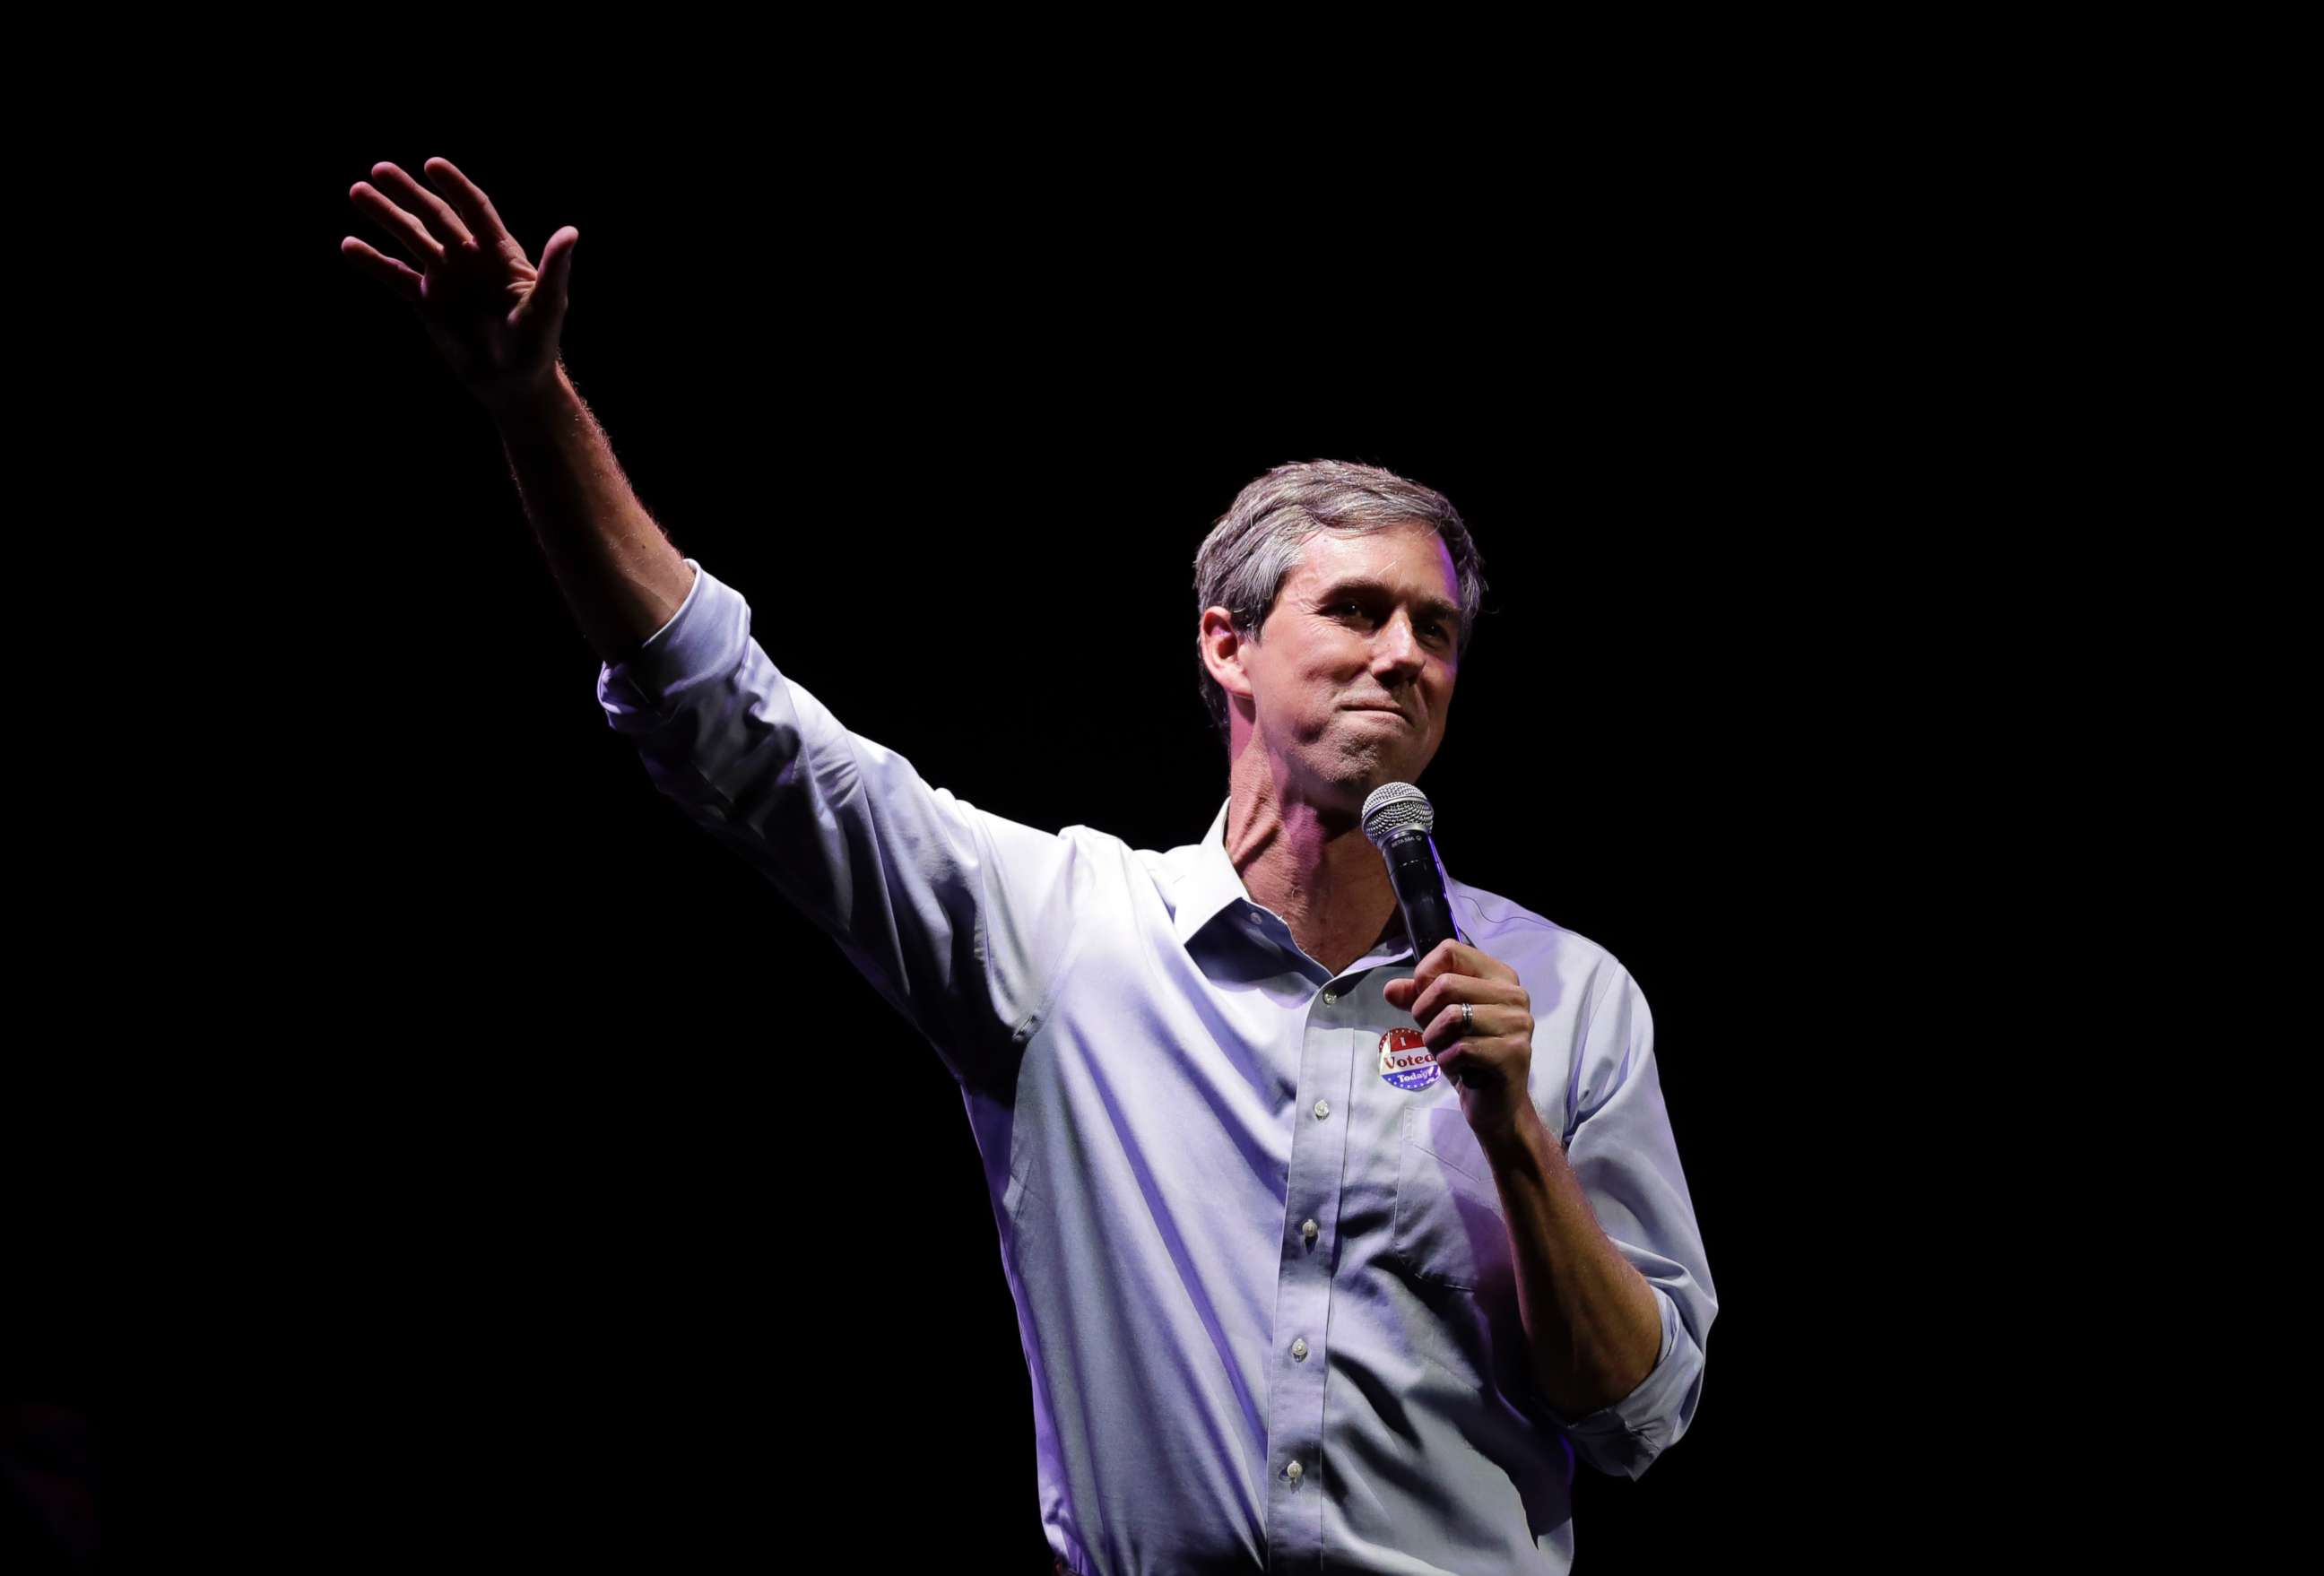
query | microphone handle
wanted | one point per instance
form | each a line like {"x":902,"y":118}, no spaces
{"x":1420,"y":893}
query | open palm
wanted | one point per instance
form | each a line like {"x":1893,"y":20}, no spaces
{"x":493,"y":315}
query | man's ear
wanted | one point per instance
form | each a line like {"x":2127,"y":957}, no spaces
{"x":1222,"y":647}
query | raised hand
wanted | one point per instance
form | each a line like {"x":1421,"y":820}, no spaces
{"x":493,"y":316}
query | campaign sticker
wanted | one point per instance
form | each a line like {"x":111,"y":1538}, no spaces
{"x":1404,"y":1061}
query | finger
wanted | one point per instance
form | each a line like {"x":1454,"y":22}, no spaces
{"x":1462,"y":1065}
{"x":1437,"y":995}
{"x":1470,"y":1068}
{"x":1458,"y":957}
{"x":556,"y":265}
{"x":1489,"y":1022}
{"x":1443,"y":1028}
{"x":1437,"y":961}
{"x":475,"y":208}
{"x":1483,"y":965}
{"x":403,"y":281}
{"x":434,"y":211}
{"x":1448,"y":989}
{"x":410,"y":231}
{"x":1449,"y":956}
{"x":544,"y":305}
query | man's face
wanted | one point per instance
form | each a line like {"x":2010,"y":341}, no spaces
{"x":1353,"y":669}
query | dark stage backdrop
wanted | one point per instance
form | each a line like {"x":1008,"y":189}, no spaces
{"x":595,"y":1207}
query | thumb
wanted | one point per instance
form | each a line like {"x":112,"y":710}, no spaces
{"x":549,"y":288}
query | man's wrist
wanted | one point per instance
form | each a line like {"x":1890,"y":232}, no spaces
{"x":1525,"y":1142}
{"x":535,"y":411}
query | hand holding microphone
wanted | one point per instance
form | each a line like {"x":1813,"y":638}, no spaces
{"x":1475,"y":1016}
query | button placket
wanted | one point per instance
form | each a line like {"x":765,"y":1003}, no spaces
{"x":1328,"y":1053}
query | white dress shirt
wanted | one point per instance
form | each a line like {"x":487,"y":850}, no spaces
{"x":1266,"y":1294}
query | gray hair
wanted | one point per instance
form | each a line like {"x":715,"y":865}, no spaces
{"x":1260,"y":539}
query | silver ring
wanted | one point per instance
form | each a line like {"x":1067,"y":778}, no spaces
{"x":1467,"y":1019}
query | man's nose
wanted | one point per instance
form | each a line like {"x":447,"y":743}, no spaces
{"x":1396,"y":648}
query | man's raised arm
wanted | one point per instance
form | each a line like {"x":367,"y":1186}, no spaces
{"x":962,"y":919}
{"x":494,"y":317}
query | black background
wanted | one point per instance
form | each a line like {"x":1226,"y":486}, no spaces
{"x":565,"y":1196}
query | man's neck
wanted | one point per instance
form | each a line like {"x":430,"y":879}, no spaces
{"x":1314,"y":867}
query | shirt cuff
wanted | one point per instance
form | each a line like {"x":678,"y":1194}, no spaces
{"x":1658,"y":1394}
{"x":695,"y":640}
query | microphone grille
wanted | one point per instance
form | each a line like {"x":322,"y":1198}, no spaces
{"x":1396,"y":807}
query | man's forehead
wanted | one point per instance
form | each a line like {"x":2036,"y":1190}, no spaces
{"x":1402,"y":553}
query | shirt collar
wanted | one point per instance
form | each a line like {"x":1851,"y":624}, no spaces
{"x":1207,"y":881}
{"x":1208,"y":884}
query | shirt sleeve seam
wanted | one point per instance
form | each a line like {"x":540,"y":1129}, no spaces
{"x":1022,"y":1032}
{"x":1605,"y":993}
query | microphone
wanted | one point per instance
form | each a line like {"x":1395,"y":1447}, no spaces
{"x":1398,"y":819}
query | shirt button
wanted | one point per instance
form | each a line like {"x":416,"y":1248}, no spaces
{"x":1299,"y":1351}
{"x":1330,"y":997}
{"x":1293,"y":1472}
{"x":1308,"y":1228}
{"x":1323,"y":1109}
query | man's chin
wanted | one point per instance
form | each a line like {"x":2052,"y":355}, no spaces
{"x":1366,"y":777}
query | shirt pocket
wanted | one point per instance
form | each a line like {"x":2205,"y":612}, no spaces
{"x":1449,"y":1228}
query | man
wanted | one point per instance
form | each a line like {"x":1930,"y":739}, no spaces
{"x":1324,"y":1256}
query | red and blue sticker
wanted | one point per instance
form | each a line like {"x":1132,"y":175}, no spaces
{"x":1405,"y":1060}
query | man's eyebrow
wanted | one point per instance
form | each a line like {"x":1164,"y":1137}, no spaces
{"x":1435,"y":605}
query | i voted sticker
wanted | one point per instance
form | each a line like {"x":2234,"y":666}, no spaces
{"x":1404,"y":1061}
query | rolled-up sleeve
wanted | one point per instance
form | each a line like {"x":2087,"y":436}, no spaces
{"x":957,"y":917}
{"x":1623,"y":1152}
